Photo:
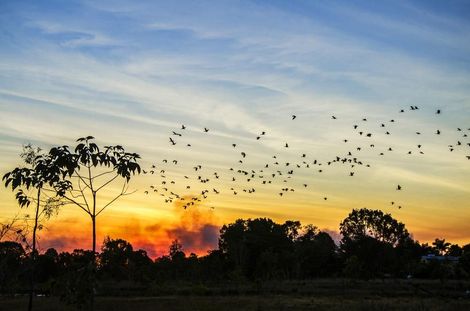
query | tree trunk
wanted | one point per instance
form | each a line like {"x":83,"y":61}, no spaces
{"x":33,"y":254}
{"x":93,"y":221}
{"x":93,"y":271}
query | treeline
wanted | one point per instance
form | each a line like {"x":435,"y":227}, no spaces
{"x":373,"y":245}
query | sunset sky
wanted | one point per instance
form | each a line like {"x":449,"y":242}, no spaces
{"x":131,"y":72}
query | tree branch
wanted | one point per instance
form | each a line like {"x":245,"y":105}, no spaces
{"x":125,"y":186}
{"x":78,"y":204}
{"x":83,"y":196}
{"x":106,"y":183}
{"x":83,"y":179}
{"x":99,"y":175}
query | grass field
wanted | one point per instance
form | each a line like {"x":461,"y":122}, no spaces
{"x":297,"y":295}
{"x":273,"y":302}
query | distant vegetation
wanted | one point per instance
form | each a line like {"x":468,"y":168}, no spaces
{"x":252,"y":251}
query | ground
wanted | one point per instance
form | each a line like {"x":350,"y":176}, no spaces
{"x":296,"y":295}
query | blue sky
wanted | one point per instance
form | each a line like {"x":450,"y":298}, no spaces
{"x":129,"y":72}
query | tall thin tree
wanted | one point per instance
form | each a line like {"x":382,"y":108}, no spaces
{"x":34,"y":183}
{"x":88,"y":171}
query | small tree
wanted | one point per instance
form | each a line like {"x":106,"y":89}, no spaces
{"x":81,"y":171}
{"x":441,"y":246}
{"x":15,"y":229}
{"x":36,"y":183}
{"x":89,"y":170}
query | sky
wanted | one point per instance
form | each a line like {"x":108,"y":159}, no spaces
{"x":131,"y":72}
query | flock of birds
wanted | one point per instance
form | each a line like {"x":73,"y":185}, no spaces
{"x":275,"y":172}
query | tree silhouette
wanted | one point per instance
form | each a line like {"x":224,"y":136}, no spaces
{"x":115,"y":258}
{"x":12,"y":255}
{"x":38,"y":183}
{"x":87,"y":171}
{"x":15,"y":229}
{"x":176,"y":250}
{"x":373,"y":223}
{"x":260,"y":247}
{"x":372,"y":238}
{"x":441,"y":246}
{"x":315,"y":252}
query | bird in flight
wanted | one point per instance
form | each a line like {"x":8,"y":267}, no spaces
{"x":172,"y":141}
{"x":398,"y":187}
{"x":206,"y":130}
{"x":294,"y":116}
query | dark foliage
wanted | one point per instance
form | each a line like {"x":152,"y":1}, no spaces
{"x":250,"y":250}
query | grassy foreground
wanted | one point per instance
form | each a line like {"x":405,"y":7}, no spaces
{"x":255,"y":303}
{"x":322,"y":294}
